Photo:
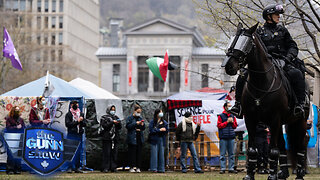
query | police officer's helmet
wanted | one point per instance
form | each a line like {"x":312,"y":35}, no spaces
{"x":272,"y":9}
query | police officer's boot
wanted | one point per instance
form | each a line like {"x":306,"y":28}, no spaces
{"x":236,"y":109}
{"x":299,"y":89}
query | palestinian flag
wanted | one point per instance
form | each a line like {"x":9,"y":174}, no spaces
{"x":159,"y":66}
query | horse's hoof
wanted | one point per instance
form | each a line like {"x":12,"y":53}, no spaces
{"x":272,"y":177}
{"x":283,"y":174}
{"x":248,"y":177}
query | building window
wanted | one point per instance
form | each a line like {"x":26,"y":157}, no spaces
{"x":60,"y":55}
{"x":53,"y":22}
{"x":53,"y":5}
{"x":14,"y":5}
{"x":39,"y":22}
{"x":45,"y":39}
{"x":53,"y":39}
{"x":204,"y":76}
{"x":116,"y":78}
{"x":158,"y":84}
{"x":29,"y":5}
{"x":61,"y":22}
{"x":45,"y":55}
{"x":46,"y":6}
{"x":60,"y":38}
{"x":53,"y":55}
{"x":39,"y":5}
{"x":38,"y":56}
{"x":39,"y":39}
{"x":22,"y":5}
{"x":61,"y":6}
{"x":143,"y":74}
{"x":174,"y":75}
{"x":46,"y":22}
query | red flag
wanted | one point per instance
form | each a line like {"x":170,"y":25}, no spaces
{"x":163,"y":68}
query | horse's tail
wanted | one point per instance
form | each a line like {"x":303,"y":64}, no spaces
{"x":296,"y":133}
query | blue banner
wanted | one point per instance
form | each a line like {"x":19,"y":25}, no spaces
{"x":43,"y":149}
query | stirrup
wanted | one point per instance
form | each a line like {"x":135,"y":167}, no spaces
{"x":237,"y":111}
{"x":298,"y":110}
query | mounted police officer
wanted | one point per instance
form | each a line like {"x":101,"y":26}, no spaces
{"x":280,"y":45}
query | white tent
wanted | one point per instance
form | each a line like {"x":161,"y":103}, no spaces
{"x":93,"y":90}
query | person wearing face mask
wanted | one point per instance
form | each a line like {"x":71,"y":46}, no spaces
{"x":226,"y":125}
{"x":135,"y":139}
{"x":187,"y":132}
{"x":158,"y":128}
{"x":39,"y":114}
{"x":14,"y":124}
{"x":75,"y":123}
{"x":111,"y":125}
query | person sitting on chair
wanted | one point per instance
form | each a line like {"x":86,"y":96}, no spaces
{"x":279,"y":44}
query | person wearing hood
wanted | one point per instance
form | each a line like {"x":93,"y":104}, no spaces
{"x":39,"y":114}
{"x":187,"y":132}
{"x":226,"y":125}
{"x":111,"y":125}
{"x":14,"y":124}
{"x":75,"y":123}
{"x":135,"y":139}
{"x":158,"y":128}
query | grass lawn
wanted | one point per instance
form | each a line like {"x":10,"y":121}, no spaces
{"x":315,"y":174}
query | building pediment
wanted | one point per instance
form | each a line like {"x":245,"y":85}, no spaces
{"x":162,"y":26}
{"x":158,"y":25}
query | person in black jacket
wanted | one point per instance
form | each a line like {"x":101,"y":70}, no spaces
{"x":187,"y":132}
{"x":75,"y":124}
{"x":111,"y":125}
{"x":263,"y":147}
{"x":135,"y":126}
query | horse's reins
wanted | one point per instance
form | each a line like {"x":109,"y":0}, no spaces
{"x":257,"y":100}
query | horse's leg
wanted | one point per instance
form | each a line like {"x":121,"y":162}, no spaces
{"x":274,"y":151}
{"x":252,"y":152}
{"x":283,"y":159}
{"x":296,"y":134}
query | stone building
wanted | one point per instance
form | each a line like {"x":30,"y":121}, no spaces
{"x":66,"y":32}
{"x":124,"y":72}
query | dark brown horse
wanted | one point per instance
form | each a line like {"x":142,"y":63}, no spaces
{"x":265,"y":98}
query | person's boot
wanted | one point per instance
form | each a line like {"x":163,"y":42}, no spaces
{"x":299,"y":90}
{"x":237,"y":110}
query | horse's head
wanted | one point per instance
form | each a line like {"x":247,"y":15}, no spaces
{"x":238,"y":49}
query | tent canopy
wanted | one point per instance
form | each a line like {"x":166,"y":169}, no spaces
{"x":93,"y":90}
{"x":35,"y":88}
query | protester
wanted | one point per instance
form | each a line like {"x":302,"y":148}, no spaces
{"x":158,"y":128}
{"x":135,"y":126}
{"x":75,"y":124}
{"x":14,"y":124}
{"x":226,"y":125}
{"x":187,"y":132}
{"x":263,"y":147}
{"x":111,"y":125}
{"x":231,"y":95}
{"x":39,"y":114}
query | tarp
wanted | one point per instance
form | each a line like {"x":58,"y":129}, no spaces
{"x":93,"y":90}
{"x":35,"y":88}
{"x":193,"y":95}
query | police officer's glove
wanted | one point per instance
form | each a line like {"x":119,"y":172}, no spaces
{"x":289,"y":58}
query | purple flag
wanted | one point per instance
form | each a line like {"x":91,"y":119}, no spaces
{"x":9,"y":50}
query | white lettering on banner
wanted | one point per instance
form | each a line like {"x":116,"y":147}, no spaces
{"x":207,"y":115}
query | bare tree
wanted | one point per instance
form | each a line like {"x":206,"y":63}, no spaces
{"x":302,"y":18}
